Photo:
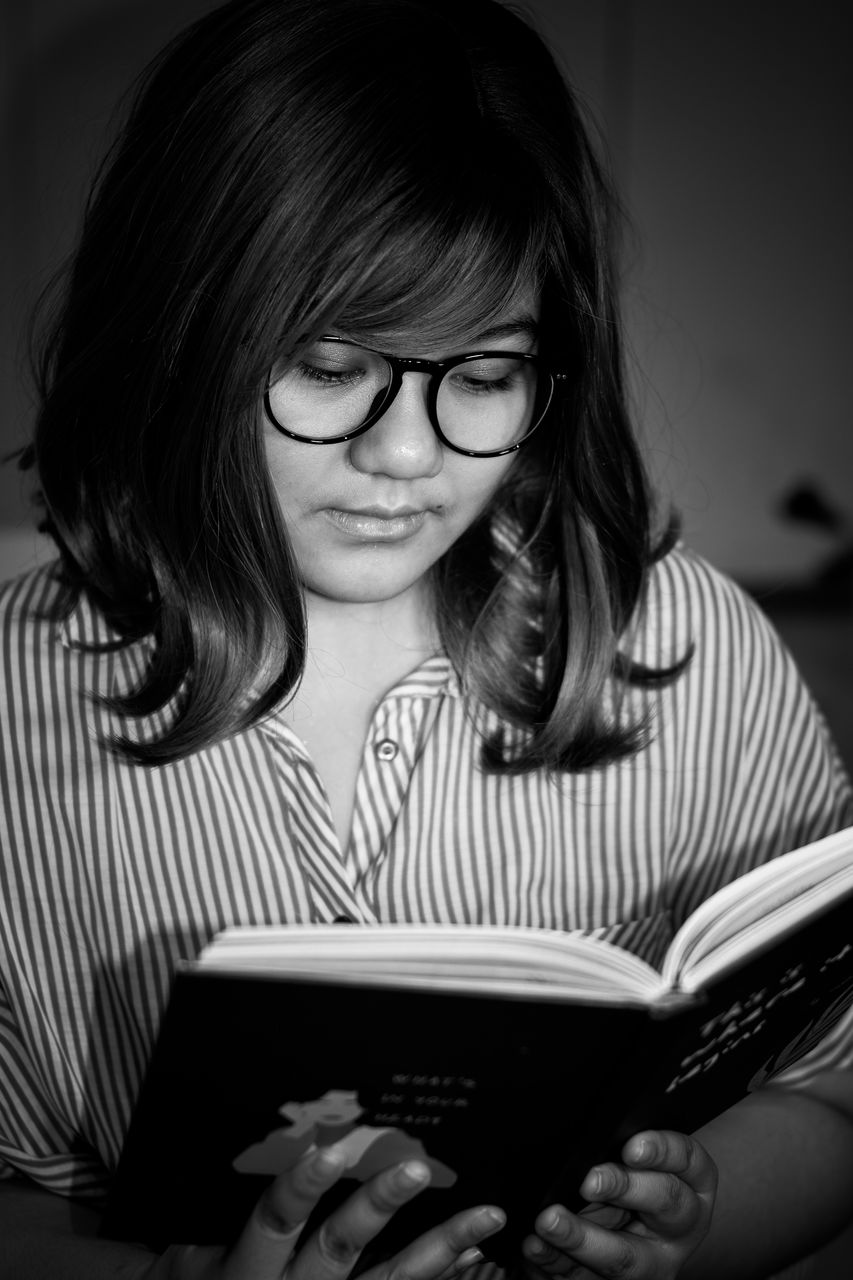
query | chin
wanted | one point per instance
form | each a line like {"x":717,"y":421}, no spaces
{"x":353,"y":590}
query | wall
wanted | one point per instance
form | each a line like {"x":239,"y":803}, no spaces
{"x":66,"y":64}
{"x":730,"y":124}
{"x":740,"y":176}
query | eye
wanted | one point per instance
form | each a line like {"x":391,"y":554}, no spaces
{"x":325,"y":365}
{"x":324,"y":375}
{"x":487,"y":377}
{"x":483,"y":386}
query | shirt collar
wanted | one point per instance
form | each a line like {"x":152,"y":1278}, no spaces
{"x":85,"y":627}
{"x":434,"y":677}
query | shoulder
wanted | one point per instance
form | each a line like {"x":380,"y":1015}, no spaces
{"x":741,"y":693}
{"x":740,"y":715}
{"x":58,"y":660}
{"x":37,"y":705}
{"x":57,"y":671}
{"x":689,"y":606}
{"x":683,"y":575}
{"x":738,"y":669}
{"x":31,"y":619}
{"x":38,"y":669}
{"x":41,"y":621}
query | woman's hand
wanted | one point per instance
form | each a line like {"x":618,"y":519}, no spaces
{"x":645,"y":1218}
{"x":266,"y":1248}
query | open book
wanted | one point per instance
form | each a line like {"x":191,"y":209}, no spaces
{"x":511,"y":1059}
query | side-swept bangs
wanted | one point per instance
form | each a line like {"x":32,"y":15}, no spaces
{"x":449,"y":271}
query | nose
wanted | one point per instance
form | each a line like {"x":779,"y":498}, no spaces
{"x":402,"y":444}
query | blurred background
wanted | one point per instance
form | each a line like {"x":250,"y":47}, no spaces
{"x":727,"y":123}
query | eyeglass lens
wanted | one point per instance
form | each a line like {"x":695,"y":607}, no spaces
{"x":482,"y":404}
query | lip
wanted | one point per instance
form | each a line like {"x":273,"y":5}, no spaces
{"x":378,"y":524}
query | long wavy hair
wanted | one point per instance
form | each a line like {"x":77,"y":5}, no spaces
{"x":371,"y":165}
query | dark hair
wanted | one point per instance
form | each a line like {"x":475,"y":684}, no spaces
{"x":369,"y":164}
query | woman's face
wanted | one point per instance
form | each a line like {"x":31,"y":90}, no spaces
{"x":369,"y":516}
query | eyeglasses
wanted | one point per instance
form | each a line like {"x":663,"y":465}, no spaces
{"x":483,"y":404}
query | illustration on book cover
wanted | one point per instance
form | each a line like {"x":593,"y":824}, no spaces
{"x":333,"y":1118}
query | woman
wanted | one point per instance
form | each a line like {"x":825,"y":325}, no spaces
{"x":361,"y":611}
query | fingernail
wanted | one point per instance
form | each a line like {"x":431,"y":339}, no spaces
{"x":535,"y":1246}
{"x":643,"y":1152}
{"x":490,"y":1218}
{"x":550,"y":1220}
{"x":411,"y":1174}
{"x":598,"y":1182}
{"x":468,"y":1258}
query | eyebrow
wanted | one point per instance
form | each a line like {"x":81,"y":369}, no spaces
{"x":522,"y":324}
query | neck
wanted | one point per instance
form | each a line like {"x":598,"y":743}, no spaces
{"x":372,"y":643}
{"x":385,"y":635}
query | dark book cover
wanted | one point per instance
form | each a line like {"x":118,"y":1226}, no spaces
{"x":509,"y":1100}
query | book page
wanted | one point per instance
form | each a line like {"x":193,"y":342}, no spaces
{"x":746,"y":915}
{"x":508,"y":960}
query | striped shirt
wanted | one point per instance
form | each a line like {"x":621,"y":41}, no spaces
{"x":111,"y":872}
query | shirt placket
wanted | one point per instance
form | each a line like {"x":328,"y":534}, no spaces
{"x":398,"y":729}
{"x":341,"y":884}
{"x":311,"y":835}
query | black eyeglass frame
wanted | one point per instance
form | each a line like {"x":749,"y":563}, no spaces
{"x":436,"y":369}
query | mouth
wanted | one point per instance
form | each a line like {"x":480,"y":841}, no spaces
{"x":378,"y":524}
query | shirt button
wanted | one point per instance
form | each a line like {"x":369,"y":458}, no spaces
{"x":386,"y":749}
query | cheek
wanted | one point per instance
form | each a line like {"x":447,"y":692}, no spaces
{"x":480,"y":486}
{"x":293,"y":473}
{"x":285,"y":494}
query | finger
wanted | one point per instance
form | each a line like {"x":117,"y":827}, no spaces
{"x":333,"y":1249}
{"x":663,"y":1202}
{"x":662,"y":1196}
{"x":672,"y":1152}
{"x":606,"y":1215}
{"x":447,"y":1249}
{"x":568,"y":1244}
{"x":267,"y":1242}
{"x":550,"y":1260}
{"x":467,"y":1258}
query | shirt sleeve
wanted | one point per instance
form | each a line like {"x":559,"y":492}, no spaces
{"x":761,"y":773}
{"x":35,"y":1142}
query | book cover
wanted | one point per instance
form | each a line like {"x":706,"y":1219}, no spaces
{"x":509,"y":1099}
